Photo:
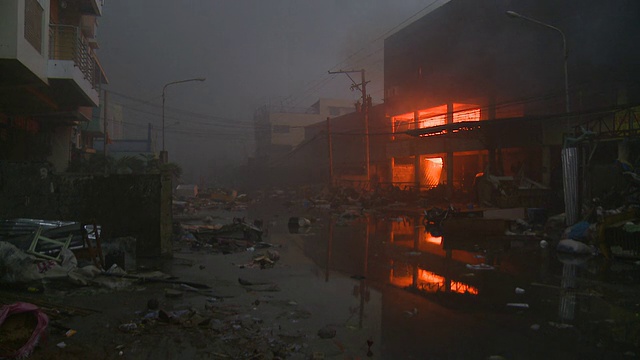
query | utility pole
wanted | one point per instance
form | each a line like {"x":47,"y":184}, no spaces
{"x":365,"y":106}
{"x":106,"y":166}
{"x":106,"y":94}
{"x":330,"y":151}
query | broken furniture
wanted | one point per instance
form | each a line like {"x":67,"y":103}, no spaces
{"x":39,"y":239}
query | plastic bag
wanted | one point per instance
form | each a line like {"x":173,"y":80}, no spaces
{"x":41,"y":326}
{"x":16,"y":266}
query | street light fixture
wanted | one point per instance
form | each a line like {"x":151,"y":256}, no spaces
{"x":569,"y":154}
{"x":163,"y":155}
{"x":513,"y":14}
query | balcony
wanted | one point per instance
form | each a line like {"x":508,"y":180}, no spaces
{"x":74,"y":71}
{"x":91,"y":7}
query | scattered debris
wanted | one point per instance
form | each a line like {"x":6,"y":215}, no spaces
{"x":479,"y":267}
{"x":327,"y":332}
{"x":518,"y":305}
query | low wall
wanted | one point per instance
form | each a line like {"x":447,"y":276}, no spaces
{"x":137,"y":205}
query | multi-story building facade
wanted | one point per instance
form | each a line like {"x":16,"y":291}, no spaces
{"x":480,"y":90}
{"x":50,"y":78}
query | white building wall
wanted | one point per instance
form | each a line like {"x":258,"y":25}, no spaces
{"x":61,"y":147}
{"x":294,"y":125}
{"x":13,"y":44}
{"x":8,"y":28}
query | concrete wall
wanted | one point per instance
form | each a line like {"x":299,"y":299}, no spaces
{"x":295,"y":122}
{"x":13,"y":44}
{"x":125,"y":205}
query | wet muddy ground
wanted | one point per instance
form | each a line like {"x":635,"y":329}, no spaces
{"x":375,"y":286}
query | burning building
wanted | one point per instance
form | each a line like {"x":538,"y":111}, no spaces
{"x":469,"y":89}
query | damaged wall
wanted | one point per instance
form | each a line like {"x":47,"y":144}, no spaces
{"x":125,"y":205}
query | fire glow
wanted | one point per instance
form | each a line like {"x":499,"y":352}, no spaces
{"x":431,"y":282}
{"x":435,"y":116}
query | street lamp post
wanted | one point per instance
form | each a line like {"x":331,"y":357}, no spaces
{"x":516,"y":15}
{"x":163,"y":154}
{"x":569,"y":154}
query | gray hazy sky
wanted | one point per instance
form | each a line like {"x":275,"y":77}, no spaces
{"x":251,"y":52}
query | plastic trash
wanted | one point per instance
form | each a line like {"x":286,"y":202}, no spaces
{"x":299,"y":222}
{"x":520,"y":290}
{"x":42,"y":321}
{"x":480,"y":267}
{"x":574,"y":247}
{"x":518,"y":305}
{"x":128,"y":326}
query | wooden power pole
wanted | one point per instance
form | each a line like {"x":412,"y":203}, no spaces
{"x":365,"y":110}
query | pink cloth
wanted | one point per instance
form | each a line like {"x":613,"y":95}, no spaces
{"x":43,"y":321}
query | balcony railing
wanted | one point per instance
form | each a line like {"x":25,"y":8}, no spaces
{"x":66,"y":42}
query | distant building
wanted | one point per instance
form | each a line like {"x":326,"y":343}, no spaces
{"x":120,"y":147}
{"x":186,"y":191}
{"x":278,"y":130}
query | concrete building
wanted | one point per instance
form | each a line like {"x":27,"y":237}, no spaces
{"x":470,"y":89}
{"x":278,"y":130}
{"x":348,"y":166}
{"x":50,"y":77}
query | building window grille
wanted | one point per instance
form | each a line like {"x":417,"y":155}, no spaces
{"x":33,"y":24}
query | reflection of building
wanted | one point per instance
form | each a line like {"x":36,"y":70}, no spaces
{"x":50,"y":78}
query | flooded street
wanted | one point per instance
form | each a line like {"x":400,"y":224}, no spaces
{"x":420,"y":296}
{"x":347,"y":285}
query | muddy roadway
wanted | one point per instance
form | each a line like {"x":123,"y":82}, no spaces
{"x":377,"y":286}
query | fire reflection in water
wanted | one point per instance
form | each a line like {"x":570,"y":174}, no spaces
{"x":431,"y":282}
{"x":423,"y":277}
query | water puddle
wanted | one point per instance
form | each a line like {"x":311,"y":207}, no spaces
{"x":428,"y":295}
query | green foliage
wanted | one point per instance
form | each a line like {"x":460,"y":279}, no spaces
{"x":138,"y":164}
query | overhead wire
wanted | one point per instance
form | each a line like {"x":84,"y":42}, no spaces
{"x":320,"y":83}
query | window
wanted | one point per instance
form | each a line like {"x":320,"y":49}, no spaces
{"x":33,"y":24}
{"x":281,"y":129}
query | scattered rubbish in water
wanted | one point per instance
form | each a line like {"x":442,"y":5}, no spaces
{"x":128,"y":327}
{"x":518,"y":305}
{"x":520,"y":290}
{"x":170,"y":293}
{"x":560,"y":325}
{"x":535,"y":327}
{"x":480,"y":267}
{"x":410,"y":313}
